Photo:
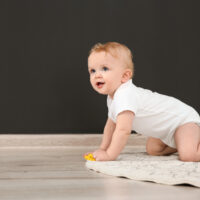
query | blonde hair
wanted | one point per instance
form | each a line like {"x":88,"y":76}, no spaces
{"x":115,"y":49}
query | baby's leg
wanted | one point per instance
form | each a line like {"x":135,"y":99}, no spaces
{"x":187,"y":138}
{"x":156,"y":147}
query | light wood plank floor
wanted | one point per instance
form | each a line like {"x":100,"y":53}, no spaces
{"x":58,"y":172}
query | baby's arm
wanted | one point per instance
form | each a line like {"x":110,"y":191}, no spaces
{"x":107,"y":137}
{"x":119,"y":137}
{"x":107,"y":134}
{"x":121,"y":134}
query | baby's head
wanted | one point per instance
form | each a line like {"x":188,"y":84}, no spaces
{"x":109,"y":65}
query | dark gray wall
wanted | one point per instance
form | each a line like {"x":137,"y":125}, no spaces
{"x":44,"y":47}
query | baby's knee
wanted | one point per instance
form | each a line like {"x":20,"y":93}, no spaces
{"x":151,"y":151}
{"x":189,"y":156}
{"x":154,"y":146}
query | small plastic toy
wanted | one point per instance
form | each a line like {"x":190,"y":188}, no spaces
{"x":89,"y":157}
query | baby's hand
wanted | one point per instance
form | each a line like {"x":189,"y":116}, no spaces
{"x":101,"y":155}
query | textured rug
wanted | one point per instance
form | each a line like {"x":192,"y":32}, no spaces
{"x":142,"y":167}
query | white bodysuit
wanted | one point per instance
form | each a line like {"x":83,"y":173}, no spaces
{"x":156,"y":115}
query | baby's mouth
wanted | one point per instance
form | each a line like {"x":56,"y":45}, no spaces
{"x":100,"y":84}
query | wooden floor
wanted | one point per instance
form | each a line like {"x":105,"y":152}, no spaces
{"x":58,"y":172}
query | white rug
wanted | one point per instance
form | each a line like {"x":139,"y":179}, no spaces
{"x":142,"y":167}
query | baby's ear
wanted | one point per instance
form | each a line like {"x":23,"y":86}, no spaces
{"x":126,"y":75}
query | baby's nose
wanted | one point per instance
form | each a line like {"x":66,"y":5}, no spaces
{"x":98,"y":74}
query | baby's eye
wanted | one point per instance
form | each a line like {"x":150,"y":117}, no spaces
{"x":105,"y":68}
{"x":92,"y":71}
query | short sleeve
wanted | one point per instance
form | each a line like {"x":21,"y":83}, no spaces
{"x":125,"y":100}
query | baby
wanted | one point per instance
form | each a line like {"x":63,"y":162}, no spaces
{"x":170,"y":124}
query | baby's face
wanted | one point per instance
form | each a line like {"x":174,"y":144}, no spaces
{"x":106,"y":72}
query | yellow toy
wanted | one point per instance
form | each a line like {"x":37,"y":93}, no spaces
{"x":89,"y":157}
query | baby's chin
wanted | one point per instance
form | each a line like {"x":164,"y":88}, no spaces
{"x":102,"y":92}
